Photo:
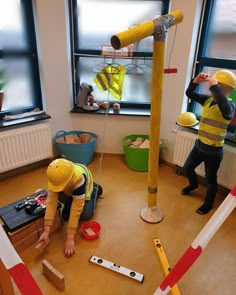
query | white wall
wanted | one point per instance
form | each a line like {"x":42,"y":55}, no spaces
{"x":55,"y":65}
{"x":174,"y":99}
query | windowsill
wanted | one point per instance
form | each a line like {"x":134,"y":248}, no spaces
{"x":16,"y":122}
{"x":124,"y":111}
{"x":229,"y":139}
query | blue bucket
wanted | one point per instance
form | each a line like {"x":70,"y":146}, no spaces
{"x":78,"y":153}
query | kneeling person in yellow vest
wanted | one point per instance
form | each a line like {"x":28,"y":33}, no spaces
{"x":72,"y":184}
{"x":218,"y":111}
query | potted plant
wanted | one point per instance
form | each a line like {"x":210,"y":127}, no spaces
{"x":2,"y":84}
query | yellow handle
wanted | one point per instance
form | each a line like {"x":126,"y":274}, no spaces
{"x":178,"y":16}
{"x":133,"y":35}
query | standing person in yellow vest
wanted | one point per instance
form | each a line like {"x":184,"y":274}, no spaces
{"x":72,"y":184}
{"x":218,"y":110}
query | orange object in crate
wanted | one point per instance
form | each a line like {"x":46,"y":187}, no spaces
{"x":90,"y":230}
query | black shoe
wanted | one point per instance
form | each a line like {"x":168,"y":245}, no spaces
{"x":188,"y":189}
{"x":204,"y":209}
{"x":97,"y":189}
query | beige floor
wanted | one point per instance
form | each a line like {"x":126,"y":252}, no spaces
{"x":127,"y":240}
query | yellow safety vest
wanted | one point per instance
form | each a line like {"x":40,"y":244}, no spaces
{"x":80,"y":170}
{"x":111,"y":78}
{"x":213,"y":125}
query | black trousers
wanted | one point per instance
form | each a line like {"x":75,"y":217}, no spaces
{"x":212,"y":157}
{"x":89,"y":206}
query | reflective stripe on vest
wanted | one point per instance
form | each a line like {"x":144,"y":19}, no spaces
{"x":79,"y":170}
{"x":213,"y":125}
{"x":101,"y":82}
{"x":210,"y":136}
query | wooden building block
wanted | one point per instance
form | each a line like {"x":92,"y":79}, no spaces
{"x":69,"y":138}
{"x":145,"y":144}
{"x":76,"y":139}
{"x":46,"y":265}
{"x":139,"y":139}
{"x":6,"y":287}
{"x":127,"y":142}
{"x":58,"y":277}
{"x":42,"y":245}
{"x":138,"y":142}
{"x":60,"y":139}
{"x":53,"y":275}
{"x":85,"y":137}
{"x":90,"y":232}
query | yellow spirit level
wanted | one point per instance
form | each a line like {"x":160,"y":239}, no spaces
{"x":165,"y":264}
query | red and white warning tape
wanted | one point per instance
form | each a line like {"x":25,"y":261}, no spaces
{"x":16,"y":268}
{"x":199,"y":244}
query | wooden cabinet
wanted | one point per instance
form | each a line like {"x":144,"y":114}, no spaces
{"x":29,"y":234}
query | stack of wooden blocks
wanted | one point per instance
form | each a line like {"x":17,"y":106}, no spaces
{"x":29,"y":234}
{"x":138,"y":143}
{"x":53,"y":275}
{"x":75,"y":139}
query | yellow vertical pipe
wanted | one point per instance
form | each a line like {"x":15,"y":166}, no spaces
{"x":155,"y":120}
{"x":157,"y":28}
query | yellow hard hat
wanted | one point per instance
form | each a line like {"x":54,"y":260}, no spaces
{"x":226,"y":77}
{"x":59,"y":174}
{"x":187,"y":119}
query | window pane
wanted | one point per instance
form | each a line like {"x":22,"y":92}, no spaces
{"x":99,"y":20}
{"x":12,"y":33}
{"x":18,"y":92}
{"x":137,"y":82}
{"x":222,"y":33}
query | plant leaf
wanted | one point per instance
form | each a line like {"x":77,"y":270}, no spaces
{"x":2,"y":73}
{"x":2,"y":85}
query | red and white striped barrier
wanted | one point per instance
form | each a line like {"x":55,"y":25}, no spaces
{"x":16,"y":268}
{"x":199,"y":244}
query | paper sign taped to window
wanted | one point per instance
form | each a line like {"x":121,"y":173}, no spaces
{"x":108,"y":50}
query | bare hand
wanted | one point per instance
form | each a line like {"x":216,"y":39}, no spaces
{"x":69,"y":249}
{"x":202,"y":77}
{"x":212,"y":81}
{"x":44,"y":238}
